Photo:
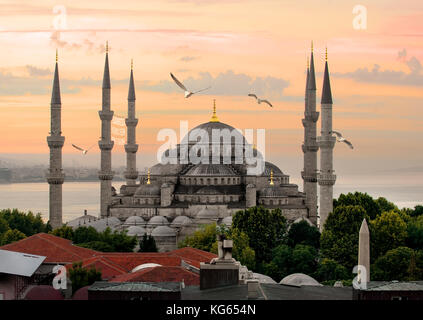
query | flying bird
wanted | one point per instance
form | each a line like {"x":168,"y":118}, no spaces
{"x":187,"y":92}
{"x":340,"y":138}
{"x":84,"y":151}
{"x":260,"y":100}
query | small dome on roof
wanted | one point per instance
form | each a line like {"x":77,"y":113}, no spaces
{"x":147,"y":190}
{"x":136,"y":231}
{"x":144,"y":266}
{"x":272,"y":191}
{"x":158,"y":220}
{"x":181,"y":221}
{"x":163,"y":231}
{"x":135,"y":220}
{"x":303,"y":219}
{"x":227,"y":221}
{"x":208,"y":213}
{"x":299,"y":279}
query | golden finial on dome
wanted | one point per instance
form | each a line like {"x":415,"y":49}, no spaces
{"x":326,"y":54}
{"x":132,"y":64}
{"x":254,"y":146}
{"x":107,"y":46}
{"x":271,"y":177}
{"x":148,"y":176}
{"x":311,"y":46}
{"x":214,"y":116}
{"x":57,"y":56}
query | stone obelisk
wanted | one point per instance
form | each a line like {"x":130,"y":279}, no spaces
{"x":364,"y":248}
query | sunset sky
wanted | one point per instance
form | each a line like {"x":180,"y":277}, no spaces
{"x":235,"y":46}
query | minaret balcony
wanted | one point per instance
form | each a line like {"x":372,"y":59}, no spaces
{"x":106,"y":115}
{"x":326,"y":179}
{"x":131,"y":175}
{"x":105,"y":145}
{"x":131,"y":148}
{"x":309,"y":177}
{"x":311,"y":146}
{"x":55,"y":141}
{"x":131,"y":122}
{"x":55,"y":176}
{"x":326,"y":142}
{"x":106,"y":175}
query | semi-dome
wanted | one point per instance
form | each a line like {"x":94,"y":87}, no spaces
{"x":181,"y":221}
{"x":134,"y":220}
{"x":299,"y":279}
{"x":208,"y":213}
{"x":158,"y":220}
{"x":166,"y":168}
{"x":136,"y":231}
{"x":268,"y":167}
{"x":148,"y":190}
{"x":211,"y":170}
{"x":163,"y":231}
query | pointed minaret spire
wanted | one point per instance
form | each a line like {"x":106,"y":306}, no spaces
{"x":308,"y":76}
{"x":55,"y":95}
{"x":312,"y":77}
{"x":326,"y":92}
{"x":131,"y":91}
{"x":106,"y":74}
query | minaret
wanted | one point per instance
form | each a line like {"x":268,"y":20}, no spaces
{"x":55,"y":141}
{"x":106,"y":144}
{"x":364,"y":248}
{"x":131,"y":148}
{"x":310,"y":146}
{"x":326,"y":141}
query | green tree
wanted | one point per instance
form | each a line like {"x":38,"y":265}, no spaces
{"x":415,"y":233}
{"x":81,"y":277}
{"x":387,"y":232}
{"x":11,"y":236}
{"x":304,"y":259}
{"x":4,"y":226}
{"x":26,"y":223}
{"x":266,"y":229}
{"x":370,"y":206}
{"x":339,"y":239}
{"x":97,"y":246}
{"x":242,"y":251}
{"x":396,"y":264}
{"x":385,"y":205}
{"x":63,"y":232}
{"x":330,"y":270}
{"x":148,"y":244}
{"x":85,"y":235}
{"x":202,"y":239}
{"x":119,"y":240}
{"x":418,"y":211}
{"x":303,"y":233}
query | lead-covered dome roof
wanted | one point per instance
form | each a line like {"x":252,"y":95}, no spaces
{"x":147,"y":190}
{"x":211,"y":170}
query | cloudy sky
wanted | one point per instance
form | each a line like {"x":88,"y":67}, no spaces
{"x":235,"y":46}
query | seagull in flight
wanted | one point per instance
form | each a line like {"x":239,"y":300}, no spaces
{"x":340,"y":138}
{"x":187,"y":92}
{"x":84,"y":151}
{"x":260,"y":100}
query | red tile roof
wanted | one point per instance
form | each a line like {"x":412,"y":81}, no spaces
{"x":193,"y":256}
{"x":56,"y":249}
{"x":161,"y":274}
{"x":108,"y":269}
